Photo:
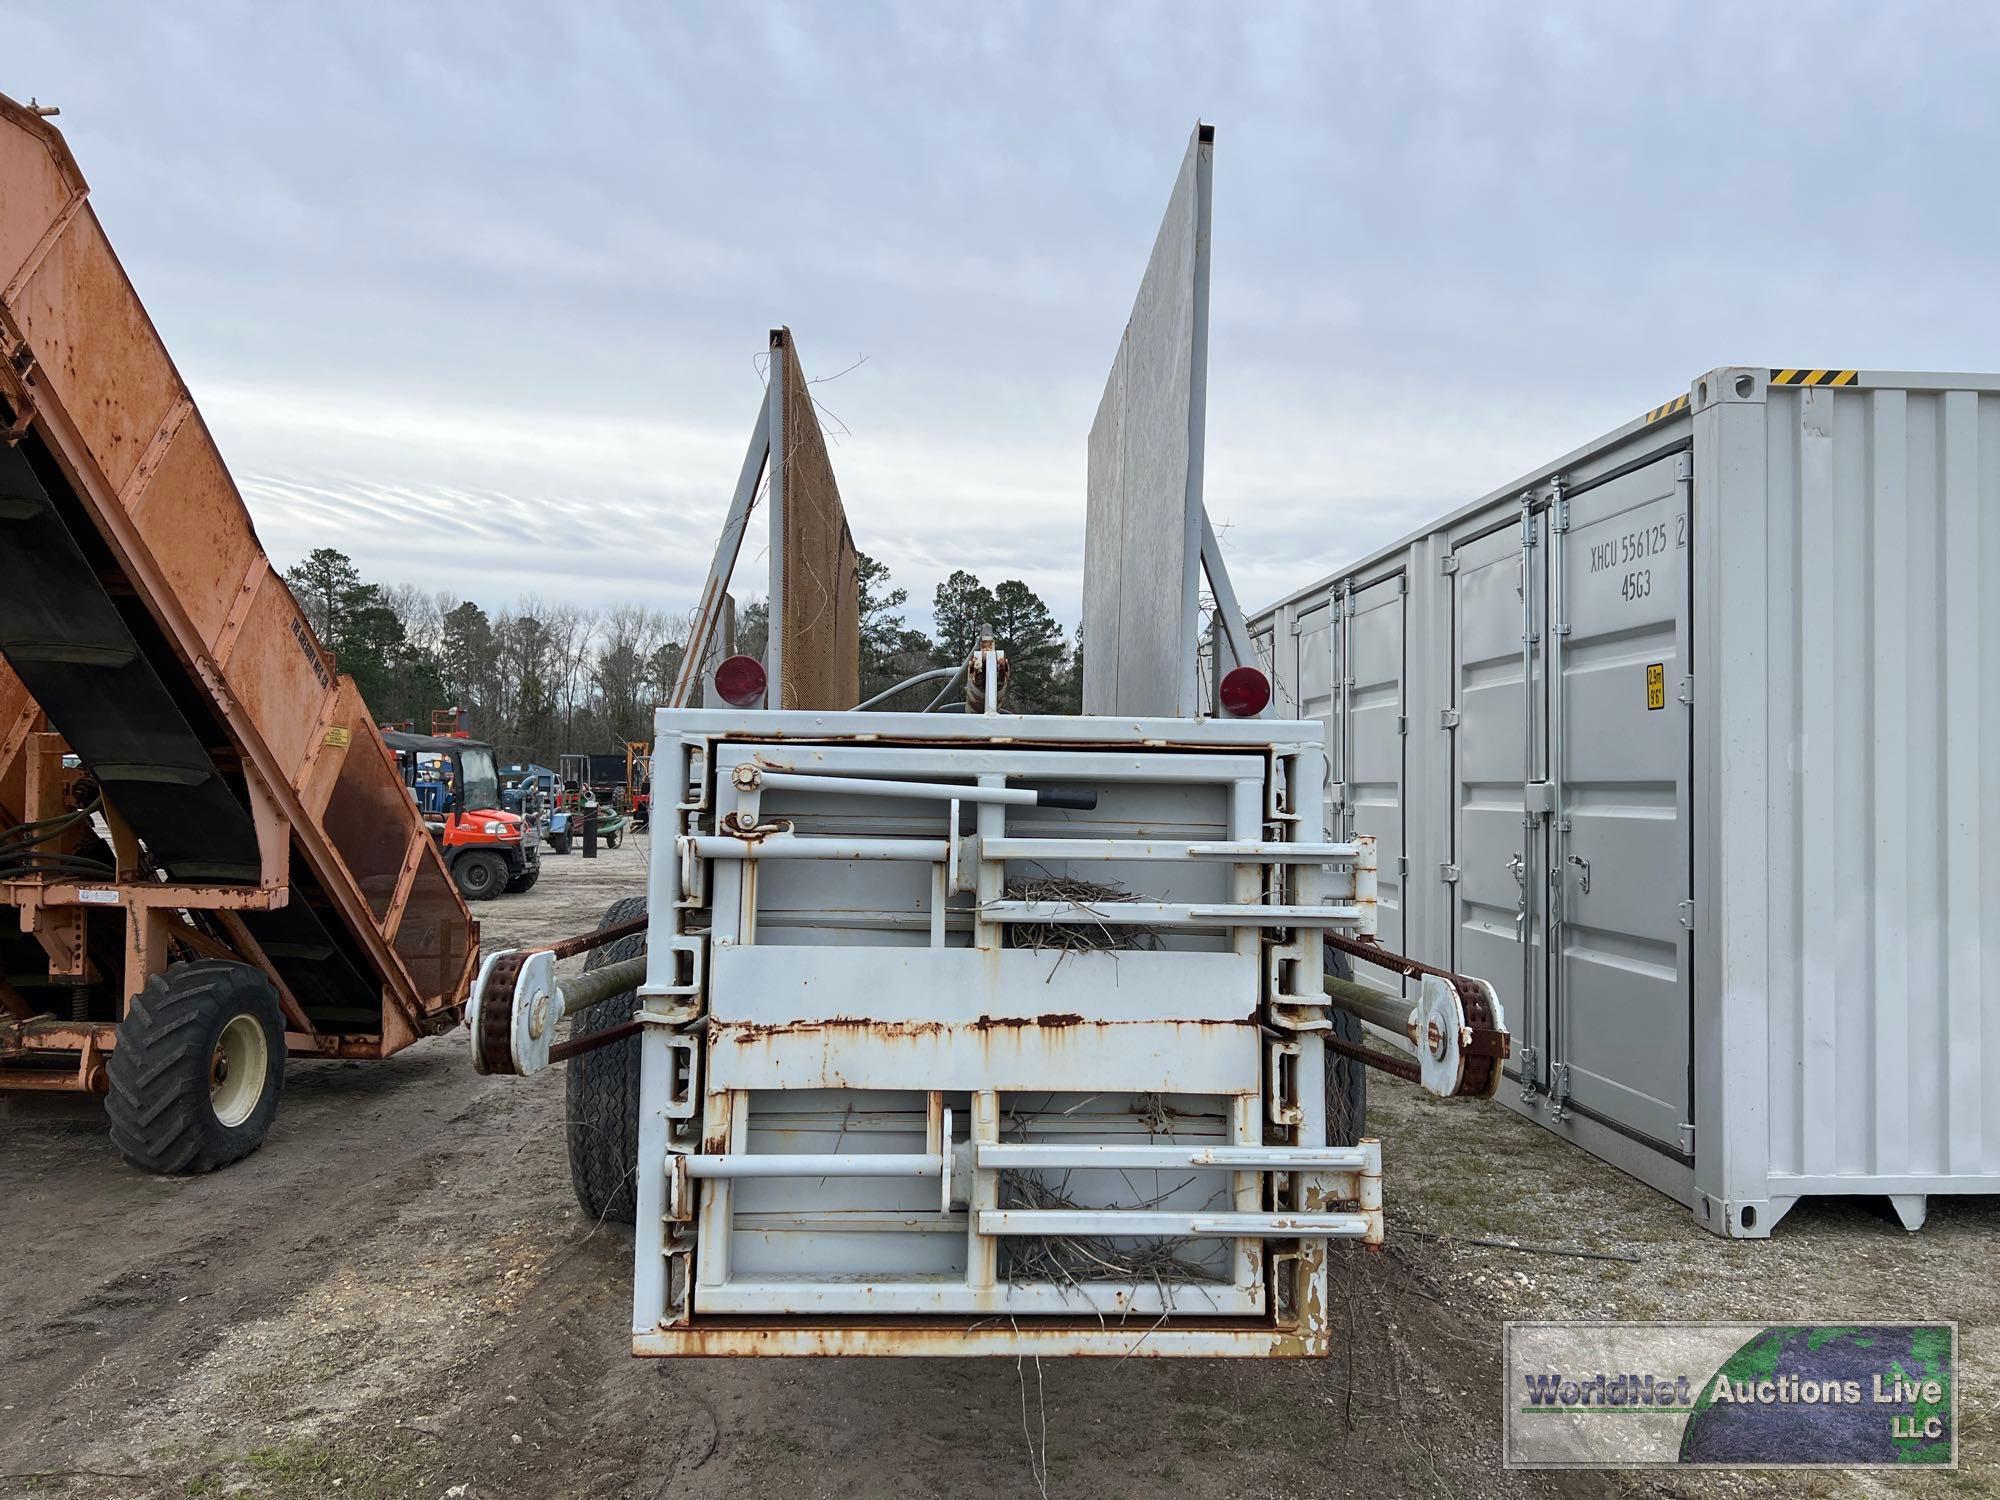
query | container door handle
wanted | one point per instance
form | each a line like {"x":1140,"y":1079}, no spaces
{"x":1583,"y":872}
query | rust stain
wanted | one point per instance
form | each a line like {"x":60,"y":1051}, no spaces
{"x":744,"y":1033}
{"x":1053,"y":1020}
{"x":748,"y":1033}
{"x":889,"y":1335}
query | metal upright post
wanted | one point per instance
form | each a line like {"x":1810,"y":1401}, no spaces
{"x":1552,"y":663}
{"x":774,"y":408}
{"x":1529,"y":875}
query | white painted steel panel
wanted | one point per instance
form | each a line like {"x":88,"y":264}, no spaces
{"x":1622,"y":1011}
{"x":960,"y":1018}
{"x":1370,"y":752}
{"x":1318,"y":697}
{"x":1490,"y":876}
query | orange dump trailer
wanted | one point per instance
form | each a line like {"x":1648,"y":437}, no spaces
{"x":208,"y":862}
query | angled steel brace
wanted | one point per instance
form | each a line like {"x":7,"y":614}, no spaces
{"x":716,"y":591}
{"x":1236,"y":630}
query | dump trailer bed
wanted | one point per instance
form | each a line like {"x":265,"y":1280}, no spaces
{"x":185,"y":776}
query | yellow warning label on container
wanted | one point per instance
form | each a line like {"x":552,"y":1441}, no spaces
{"x":1656,"y":685}
{"x":1813,"y":377}
{"x":339,"y":735}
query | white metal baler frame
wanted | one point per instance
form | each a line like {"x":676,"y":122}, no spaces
{"x":1284,"y":1177}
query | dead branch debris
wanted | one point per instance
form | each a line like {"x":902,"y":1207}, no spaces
{"x":1096,"y":936}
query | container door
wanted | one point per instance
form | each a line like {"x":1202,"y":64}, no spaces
{"x":1314,"y":674}
{"x":1622,"y":769}
{"x":1371,"y":754}
{"x":1498,"y":852}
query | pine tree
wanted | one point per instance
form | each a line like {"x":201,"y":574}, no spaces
{"x":320,"y":584}
{"x":960,"y":606}
{"x":1023,"y":628}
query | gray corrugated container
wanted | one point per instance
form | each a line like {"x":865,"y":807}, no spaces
{"x":1766,"y":848}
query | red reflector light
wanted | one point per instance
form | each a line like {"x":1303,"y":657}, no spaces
{"x":740,"y":681}
{"x":1245,"y":691}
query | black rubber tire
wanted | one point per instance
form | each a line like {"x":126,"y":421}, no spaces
{"x":611,"y":840}
{"x":479,"y":876}
{"x":162,"y":1114}
{"x":559,"y":843}
{"x":601,"y":1091}
{"x":524,"y":881}
{"x":1346,"y":1077}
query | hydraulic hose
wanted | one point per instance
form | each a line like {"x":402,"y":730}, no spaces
{"x":21,"y":854}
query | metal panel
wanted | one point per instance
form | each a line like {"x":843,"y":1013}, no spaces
{"x":1142,"y":532}
{"x":963,"y":1018}
{"x":1490,"y":878}
{"x":1314,"y":679}
{"x":1620,"y":761}
{"x":1372,"y":733}
{"x":1849,"y":651}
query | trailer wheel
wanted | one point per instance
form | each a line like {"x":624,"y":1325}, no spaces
{"x":611,"y":839}
{"x":1346,"y":1077}
{"x":602,"y":1091}
{"x":480,"y":876}
{"x":198,"y":1068}
{"x":523,"y":882}
{"x":559,"y":842}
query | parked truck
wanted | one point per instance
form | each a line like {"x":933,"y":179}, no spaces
{"x":208,"y":863}
{"x":953,"y":1033}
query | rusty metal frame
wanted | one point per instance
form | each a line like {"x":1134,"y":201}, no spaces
{"x":283,"y":807}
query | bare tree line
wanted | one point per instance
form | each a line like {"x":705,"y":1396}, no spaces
{"x":538,"y":679}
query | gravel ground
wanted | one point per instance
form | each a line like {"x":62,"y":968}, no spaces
{"x":396,"y":1297}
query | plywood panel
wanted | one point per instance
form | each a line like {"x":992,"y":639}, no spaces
{"x":821,"y":585}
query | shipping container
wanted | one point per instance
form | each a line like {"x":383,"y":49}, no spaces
{"x":1687,"y":742}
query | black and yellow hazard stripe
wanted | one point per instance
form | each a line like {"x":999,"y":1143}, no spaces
{"x":1813,"y":377}
{"x":1679,"y":403}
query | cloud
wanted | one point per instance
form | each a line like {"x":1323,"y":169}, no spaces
{"x":476,"y":291}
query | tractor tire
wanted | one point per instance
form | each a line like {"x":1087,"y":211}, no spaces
{"x":480,"y":876}
{"x":602,"y":1091}
{"x":1346,"y":1077}
{"x":198,"y":1069}
{"x":524,"y":882}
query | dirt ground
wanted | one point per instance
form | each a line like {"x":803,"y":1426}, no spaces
{"x":396,"y":1297}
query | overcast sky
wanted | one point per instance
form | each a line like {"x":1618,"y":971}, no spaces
{"x":477,"y":292}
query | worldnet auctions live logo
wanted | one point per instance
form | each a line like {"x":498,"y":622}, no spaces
{"x":1731,"y":1395}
